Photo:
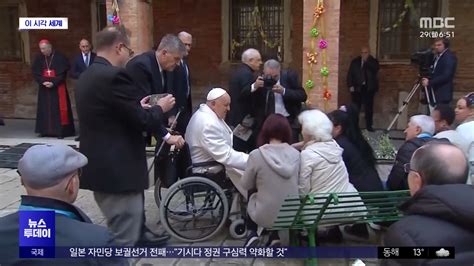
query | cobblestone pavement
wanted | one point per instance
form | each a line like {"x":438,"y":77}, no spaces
{"x":11,"y":189}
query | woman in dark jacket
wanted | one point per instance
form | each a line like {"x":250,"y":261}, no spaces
{"x":358,"y":156}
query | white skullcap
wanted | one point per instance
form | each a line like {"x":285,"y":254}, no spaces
{"x":215,"y":93}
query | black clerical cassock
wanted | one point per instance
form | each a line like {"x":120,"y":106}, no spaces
{"x":54,"y":114}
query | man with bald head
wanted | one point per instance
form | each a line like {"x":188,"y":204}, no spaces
{"x":242,"y":86}
{"x":210,"y":138}
{"x":182,"y":86}
{"x":440,"y":211}
{"x":363,"y":83}
{"x":83,"y":60}
{"x":54,"y":113}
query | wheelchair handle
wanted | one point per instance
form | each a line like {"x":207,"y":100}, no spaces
{"x":163,"y":142}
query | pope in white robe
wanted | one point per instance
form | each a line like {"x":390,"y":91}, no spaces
{"x":210,"y":139}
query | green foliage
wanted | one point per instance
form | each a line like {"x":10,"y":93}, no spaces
{"x":386,"y":150}
{"x":382,"y":146}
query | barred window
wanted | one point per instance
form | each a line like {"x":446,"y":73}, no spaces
{"x":398,"y":29}
{"x":101,"y":14}
{"x":10,"y":39}
{"x":256,"y":24}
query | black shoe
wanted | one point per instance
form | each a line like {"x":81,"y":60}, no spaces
{"x":371,"y":129}
{"x":332,"y":235}
{"x":155,"y":243}
{"x":149,"y":238}
{"x":252,"y":240}
{"x":357,"y":232}
{"x":273,"y":240}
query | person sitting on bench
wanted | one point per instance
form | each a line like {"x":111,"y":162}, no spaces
{"x":272,"y":173}
{"x":440,"y":211}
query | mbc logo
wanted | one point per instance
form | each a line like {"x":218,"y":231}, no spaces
{"x":436,"y":23}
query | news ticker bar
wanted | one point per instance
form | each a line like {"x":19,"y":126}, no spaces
{"x":240,"y":252}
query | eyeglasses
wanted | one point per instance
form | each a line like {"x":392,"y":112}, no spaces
{"x":407,"y":168}
{"x":78,"y":173}
{"x":130,"y":51}
{"x":469,"y":99}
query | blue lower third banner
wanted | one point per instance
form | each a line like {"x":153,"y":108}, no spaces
{"x":216,"y":252}
{"x":36,"y":234}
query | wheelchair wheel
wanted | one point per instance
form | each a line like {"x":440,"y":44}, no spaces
{"x":237,"y":229}
{"x":194,"y":209}
{"x":158,"y":192}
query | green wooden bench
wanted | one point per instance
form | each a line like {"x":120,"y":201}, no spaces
{"x":326,"y":209}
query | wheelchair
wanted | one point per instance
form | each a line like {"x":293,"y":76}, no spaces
{"x":195,"y":204}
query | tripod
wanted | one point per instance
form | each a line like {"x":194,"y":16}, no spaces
{"x":414,"y":89}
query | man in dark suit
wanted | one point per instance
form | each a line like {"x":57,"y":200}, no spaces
{"x":152,"y":71}
{"x":284,"y":97}
{"x":242,"y":83}
{"x":82,"y":60}
{"x":50,"y":175}
{"x":111,"y":123}
{"x":443,"y":70}
{"x":182,"y":86}
{"x":363,"y":83}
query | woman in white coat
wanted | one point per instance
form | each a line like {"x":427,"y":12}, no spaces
{"x":465,"y":115}
{"x":322,"y":168}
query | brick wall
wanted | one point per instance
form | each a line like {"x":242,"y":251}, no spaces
{"x":296,"y":36}
{"x":400,"y":77}
{"x":331,"y":21}
{"x":136,"y":16}
{"x":354,"y":33}
{"x":355,"y":26}
{"x":18,"y":91}
{"x":202,"y":18}
{"x":463,"y":11}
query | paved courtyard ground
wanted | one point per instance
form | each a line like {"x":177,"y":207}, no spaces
{"x":21,"y":131}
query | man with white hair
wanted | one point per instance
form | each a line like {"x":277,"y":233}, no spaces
{"x":242,"y":83}
{"x":419,"y":131}
{"x":210,"y":138}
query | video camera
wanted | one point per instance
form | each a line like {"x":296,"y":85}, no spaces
{"x":424,"y":59}
{"x":268,"y":82}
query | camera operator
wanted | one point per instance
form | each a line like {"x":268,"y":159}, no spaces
{"x":278,"y":91}
{"x":363,"y":83}
{"x":443,"y":69}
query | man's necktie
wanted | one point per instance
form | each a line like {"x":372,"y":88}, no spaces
{"x":186,"y":71}
{"x":86,"y":61}
{"x":165,"y":81}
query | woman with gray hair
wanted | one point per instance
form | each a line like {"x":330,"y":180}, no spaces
{"x":322,"y":169}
